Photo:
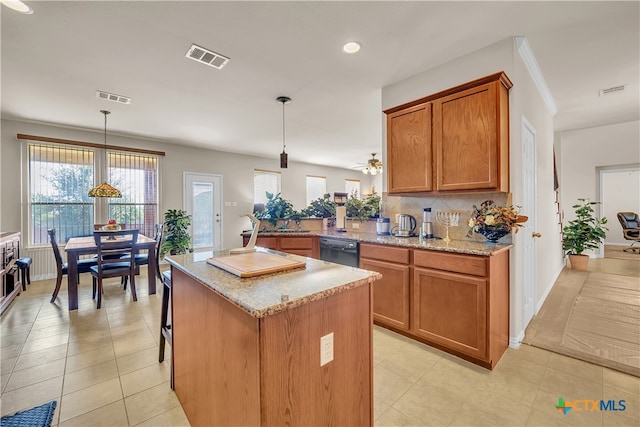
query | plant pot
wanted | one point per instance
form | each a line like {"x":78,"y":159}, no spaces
{"x":579,"y":262}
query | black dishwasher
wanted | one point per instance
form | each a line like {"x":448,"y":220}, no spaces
{"x":340,"y":251}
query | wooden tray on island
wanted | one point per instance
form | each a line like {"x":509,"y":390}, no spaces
{"x":255,"y":264}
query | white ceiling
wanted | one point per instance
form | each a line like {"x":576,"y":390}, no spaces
{"x":54,"y":60}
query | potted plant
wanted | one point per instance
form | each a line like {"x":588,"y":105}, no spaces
{"x":584,"y":232}
{"x":176,"y":235}
{"x":275,"y":209}
{"x":358,"y":209}
{"x":323,"y":207}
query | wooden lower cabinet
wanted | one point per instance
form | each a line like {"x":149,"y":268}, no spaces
{"x":9,"y":273}
{"x":308,"y":246}
{"x":456,"y":302}
{"x":390,"y":294}
{"x":451,"y":309}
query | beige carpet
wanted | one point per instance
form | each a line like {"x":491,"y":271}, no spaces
{"x":591,"y":316}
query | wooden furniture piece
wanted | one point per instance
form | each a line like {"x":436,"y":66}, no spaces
{"x":9,"y":253}
{"x":391,"y":293}
{"x":77,"y":246}
{"x":245,"y":356}
{"x":165,"y":323}
{"x":83,"y":265}
{"x":307,"y":246}
{"x":255,"y":264}
{"x":116,"y":258}
{"x":458,"y":303}
{"x":143,"y":259}
{"x":24,"y":265}
{"x":454,"y":141}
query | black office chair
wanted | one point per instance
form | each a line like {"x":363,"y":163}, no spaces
{"x":115,"y":259}
{"x":630,"y":223}
{"x":84,"y":265}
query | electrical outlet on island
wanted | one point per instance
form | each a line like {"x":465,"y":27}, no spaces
{"x":326,"y":349}
{"x":355,"y":225}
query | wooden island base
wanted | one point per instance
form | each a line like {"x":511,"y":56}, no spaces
{"x":235,"y":369}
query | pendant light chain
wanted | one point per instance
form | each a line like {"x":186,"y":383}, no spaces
{"x":104,"y":189}
{"x":106,"y":165}
{"x":284,"y":146}
{"x":284,"y":157}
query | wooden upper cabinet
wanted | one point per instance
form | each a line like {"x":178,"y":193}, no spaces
{"x":409,"y":151}
{"x":470,"y":132}
{"x":454,"y":141}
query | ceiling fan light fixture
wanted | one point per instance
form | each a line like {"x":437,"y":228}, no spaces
{"x":104,"y":189}
{"x":374,"y":166}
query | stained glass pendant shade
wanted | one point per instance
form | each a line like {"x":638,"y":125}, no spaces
{"x":104,"y":189}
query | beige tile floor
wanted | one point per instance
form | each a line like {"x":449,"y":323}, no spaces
{"x":102,"y":368}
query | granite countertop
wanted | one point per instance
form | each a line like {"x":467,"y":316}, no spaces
{"x":458,"y":246}
{"x":262,"y":296}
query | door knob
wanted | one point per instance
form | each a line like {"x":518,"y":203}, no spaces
{"x":536,"y":234}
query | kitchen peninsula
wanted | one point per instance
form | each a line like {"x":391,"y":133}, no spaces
{"x":247,"y":351}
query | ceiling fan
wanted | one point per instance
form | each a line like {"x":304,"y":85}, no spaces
{"x":372,"y":167}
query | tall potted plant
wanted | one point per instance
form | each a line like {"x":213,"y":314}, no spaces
{"x":176,"y":233}
{"x":584,"y":232}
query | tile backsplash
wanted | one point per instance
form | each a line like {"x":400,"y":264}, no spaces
{"x":462,"y":203}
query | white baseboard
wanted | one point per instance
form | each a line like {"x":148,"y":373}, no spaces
{"x":515,"y":342}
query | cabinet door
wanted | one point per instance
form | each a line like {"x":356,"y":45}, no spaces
{"x":466,"y":139}
{"x":409,"y":151}
{"x":390,"y":294}
{"x":451,"y":309}
{"x":267,"y":242}
{"x":305,"y":246}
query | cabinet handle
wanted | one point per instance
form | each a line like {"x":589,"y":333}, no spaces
{"x":536,"y":234}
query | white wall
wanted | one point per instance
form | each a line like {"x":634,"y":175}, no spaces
{"x":620,"y":192}
{"x":524,"y":100}
{"x":237,"y":172}
{"x":586,"y":150}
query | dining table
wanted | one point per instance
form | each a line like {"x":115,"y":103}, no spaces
{"x":77,"y":246}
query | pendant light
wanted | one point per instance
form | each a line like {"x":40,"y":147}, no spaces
{"x":104,"y":189}
{"x":284,"y":157}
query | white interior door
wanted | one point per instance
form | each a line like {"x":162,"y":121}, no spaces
{"x":528,"y":209}
{"x":203,"y":201}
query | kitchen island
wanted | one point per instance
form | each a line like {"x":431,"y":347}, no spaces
{"x":247,"y":351}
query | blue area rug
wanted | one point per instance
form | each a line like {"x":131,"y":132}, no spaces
{"x":40,"y":416}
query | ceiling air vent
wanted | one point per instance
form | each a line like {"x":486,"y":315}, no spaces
{"x":612,"y":90}
{"x":113,"y":97}
{"x":207,"y":57}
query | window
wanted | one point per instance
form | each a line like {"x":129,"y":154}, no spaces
{"x":136,"y":176}
{"x":316,"y":187}
{"x":352,"y":187}
{"x":59,"y":181}
{"x":263,"y":182}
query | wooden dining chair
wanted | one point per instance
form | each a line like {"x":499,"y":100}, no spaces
{"x":84,"y":265}
{"x":116,"y":250}
{"x":143,"y":259}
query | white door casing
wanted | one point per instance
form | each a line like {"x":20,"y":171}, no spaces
{"x":529,"y":209}
{"x":203,"y":201}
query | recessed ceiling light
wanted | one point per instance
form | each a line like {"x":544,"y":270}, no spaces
{"x":18,"y":6}
{"x":351,"y":47}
